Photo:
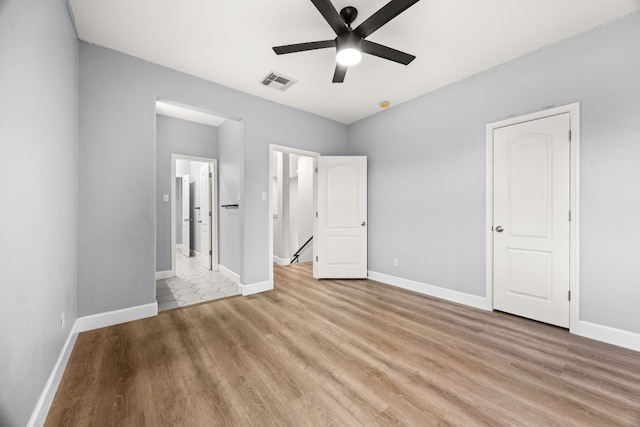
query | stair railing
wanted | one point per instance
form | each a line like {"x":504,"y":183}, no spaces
{"x":296,"y":256}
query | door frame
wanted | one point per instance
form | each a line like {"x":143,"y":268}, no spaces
{"x":574,"y":226}
{"x":214,"y":205}
{"x":204,"y":215}
{"x":289,"y":150}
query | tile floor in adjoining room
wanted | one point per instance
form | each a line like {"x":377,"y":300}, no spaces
{"x":193,"y":284}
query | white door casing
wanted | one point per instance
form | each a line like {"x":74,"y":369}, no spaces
{"x":205,"y":217}
{"x":341,"y":223}
{"x":186,"y":218}
{"x":531,"y":219}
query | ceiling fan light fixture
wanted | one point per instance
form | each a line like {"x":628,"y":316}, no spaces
{"x":348,"y":56}
{"x":348,"y":49}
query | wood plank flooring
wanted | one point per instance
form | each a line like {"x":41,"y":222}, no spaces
{"x":344,"y":353}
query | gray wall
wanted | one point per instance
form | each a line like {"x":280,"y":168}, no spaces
{"x":116,"y":167}
{"x":38,"y":111}
{"x":230,"y":173}
{"x":179,"y":137}
{"x":427,"y":169}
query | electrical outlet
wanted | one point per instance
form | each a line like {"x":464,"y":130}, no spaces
{"x":62,"y":319}
{"x":395,"y":262}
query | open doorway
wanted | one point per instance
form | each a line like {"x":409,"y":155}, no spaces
{"x":194,"y":217}
{"x":292,"y":208}
{"x":195,"y":275}
{"x":189,"y":182}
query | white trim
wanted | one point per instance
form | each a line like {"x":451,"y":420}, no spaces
{"x":116,"y":317}
{"x":164,"y":274}
{"x":574,"y":267}
{"x":255,"y":288}
{"x":289,"y":150}
{"x":229,"y":273}
{"x":281,"y":261}
{"x":619,"y":337}
{"x":434,"y":291}
{"x":40,"y":412}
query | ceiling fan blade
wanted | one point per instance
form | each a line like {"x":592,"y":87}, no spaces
{"x":386,"y":52}
{"x":331,"y":15}
{"x":341,"y":71}
{"x":384,"y":15}
{"x":301,"y":47}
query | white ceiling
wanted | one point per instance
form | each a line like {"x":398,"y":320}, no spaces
{"x":229,"y":42}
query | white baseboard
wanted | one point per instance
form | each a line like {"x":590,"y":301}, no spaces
{"x":86,"y":323}
{"x":619,"y":337}
{"x":115,"y":317}
{"x":281,"y":261}
{"x":164,"y":274}
{"x":230,"y":274}
{"x":434,"y":291}
{"x":40,"y":412}
{"x":255,"y":288}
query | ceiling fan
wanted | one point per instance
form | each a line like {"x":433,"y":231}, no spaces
{"x":351,"y":43}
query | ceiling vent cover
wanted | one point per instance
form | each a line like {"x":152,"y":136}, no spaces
{"x":278,"y":81}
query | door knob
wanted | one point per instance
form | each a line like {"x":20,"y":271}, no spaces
{"x":363,"y":223}
{"x":499,"y":229}
{"x":187,"y":220}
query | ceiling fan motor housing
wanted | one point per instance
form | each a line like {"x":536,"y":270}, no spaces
{"x":348,"y":40}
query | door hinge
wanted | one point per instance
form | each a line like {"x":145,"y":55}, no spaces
{"x":316,"y":170}
{"x":210,"y":175}
{"x":316,"y":214}
{"x":569,"y":295}
{"x":569,"y":135}
{"x":209,"y":213}
{"x":569,"y":215}
{"x":316,"y":259}
{"x":210,"y":253}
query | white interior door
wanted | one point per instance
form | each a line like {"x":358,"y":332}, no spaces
{"x":531,"y":238}
{"x":341,"y":224}
{"x":186,"y":218}
{"x":205,"y":217}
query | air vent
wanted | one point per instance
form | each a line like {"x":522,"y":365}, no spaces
{"x":278,"y":81}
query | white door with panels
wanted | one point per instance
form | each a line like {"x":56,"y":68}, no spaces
{"x":341,"y":224}
{"x":186,"y":218}
{"x":205,"y":217}
{"x":531,"y":219}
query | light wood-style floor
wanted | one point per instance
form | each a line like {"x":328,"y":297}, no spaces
{"x":339,"y":352}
